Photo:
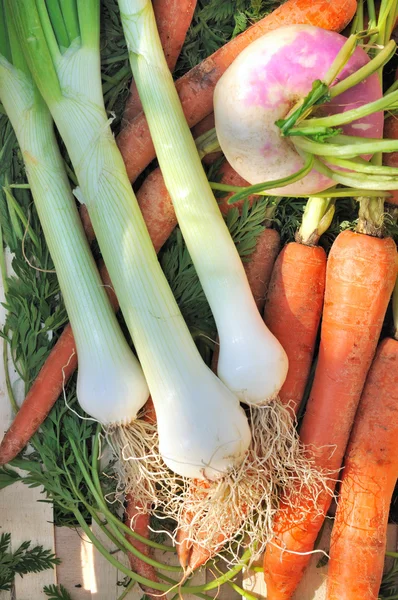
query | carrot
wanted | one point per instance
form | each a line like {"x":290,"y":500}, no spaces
{"x":293,"y":312}
{"x":360,"y":277}
{"x":391,"y":159}
{"x":196,"y":87}
{"x":48,"y":385}
{"x":173,"y":18}
{"x":259,"y":267}
{"x":368,"y":481}
{"x":295,"y":298}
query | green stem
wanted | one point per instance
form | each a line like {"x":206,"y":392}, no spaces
{"x":357,"y":24}
{"x":392,"y":554}
{"x":18,"y":211}
{"x":371,"y":216}
{"x":371,"y":14}
{"x":372,"y":67}
{"x":207,"y":143}
{"x":317,"y":218}
{"x":346,"y":146}
{"x":385,"y":23}
{"x":243,"y":593}
{"x":117,"y":534}
{"x":155,"y":585}
{"x":342,"y":58}
{"x":330,"y":193}
{"x":361,"y":166}
{"x":276,"y":183}
{"x":118,"y":565}
{"x":3,"y":274}
{"x":71,"y":18}
{"x":392,"y":88}
{"x":349,"y":115}
{"x":216,"y":583}
{"x":357,"y":180}
{"x":5,"y":49}
{"x":58,"y":23}
{"x":178,"y":595}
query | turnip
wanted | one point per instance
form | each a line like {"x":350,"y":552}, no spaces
{"x":265,"y":82}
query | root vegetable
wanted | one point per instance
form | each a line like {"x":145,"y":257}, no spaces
{"x":196,"y":88}
{"x":261,"y":87}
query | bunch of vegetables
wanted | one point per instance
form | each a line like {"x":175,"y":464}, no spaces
{"x":298,"y":108}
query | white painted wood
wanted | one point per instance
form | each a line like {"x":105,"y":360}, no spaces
{"x":72,"y":547}
{"x":21,"y":514}
{"x":105,"y":575}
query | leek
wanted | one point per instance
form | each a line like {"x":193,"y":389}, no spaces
{"x":252,"y":363}
{"x":111,"y":386}
{"x":203,"y":431}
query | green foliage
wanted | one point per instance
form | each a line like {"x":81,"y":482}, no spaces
{"x":389,"y":584}
{"x":56,"y":592}
{"x":8,"y":477}
{"x":22,"y":561}
{"x":215,"y":23}
{"x":116,"y":71}
{"x":34,"y":305}
{"x":53,"y":463}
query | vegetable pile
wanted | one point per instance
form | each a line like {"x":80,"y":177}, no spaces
{"x":192,"y":330}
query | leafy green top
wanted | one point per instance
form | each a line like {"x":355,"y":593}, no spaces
{"x":23,"y":560}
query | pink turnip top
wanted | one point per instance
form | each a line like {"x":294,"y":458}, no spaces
{"x":265,"y":82}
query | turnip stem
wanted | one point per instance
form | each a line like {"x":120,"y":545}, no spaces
{"x":388,"y":101}
{"x":358,"y":180}
{"x":269,"y":185}
{"x":361,"y":166}
{"x":346,"y":146}
{"x":364,"y":72}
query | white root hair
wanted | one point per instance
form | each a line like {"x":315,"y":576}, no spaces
{"x":221,"y":518}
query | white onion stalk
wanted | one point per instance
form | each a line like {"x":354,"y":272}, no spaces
{"x":111,"y":386}
{"x":252,"y":363}
{"x":203,"y":431}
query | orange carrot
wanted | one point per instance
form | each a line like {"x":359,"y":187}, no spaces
{"x":360,"y":277}
{"x":196,"y":87}
{"x":173,"y":18}
{"x":59,"y":366}
{"x":370,"y":472}
{"x":293,"y":312}
{"x":261,"y":263}
{"x":391,"y":159}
